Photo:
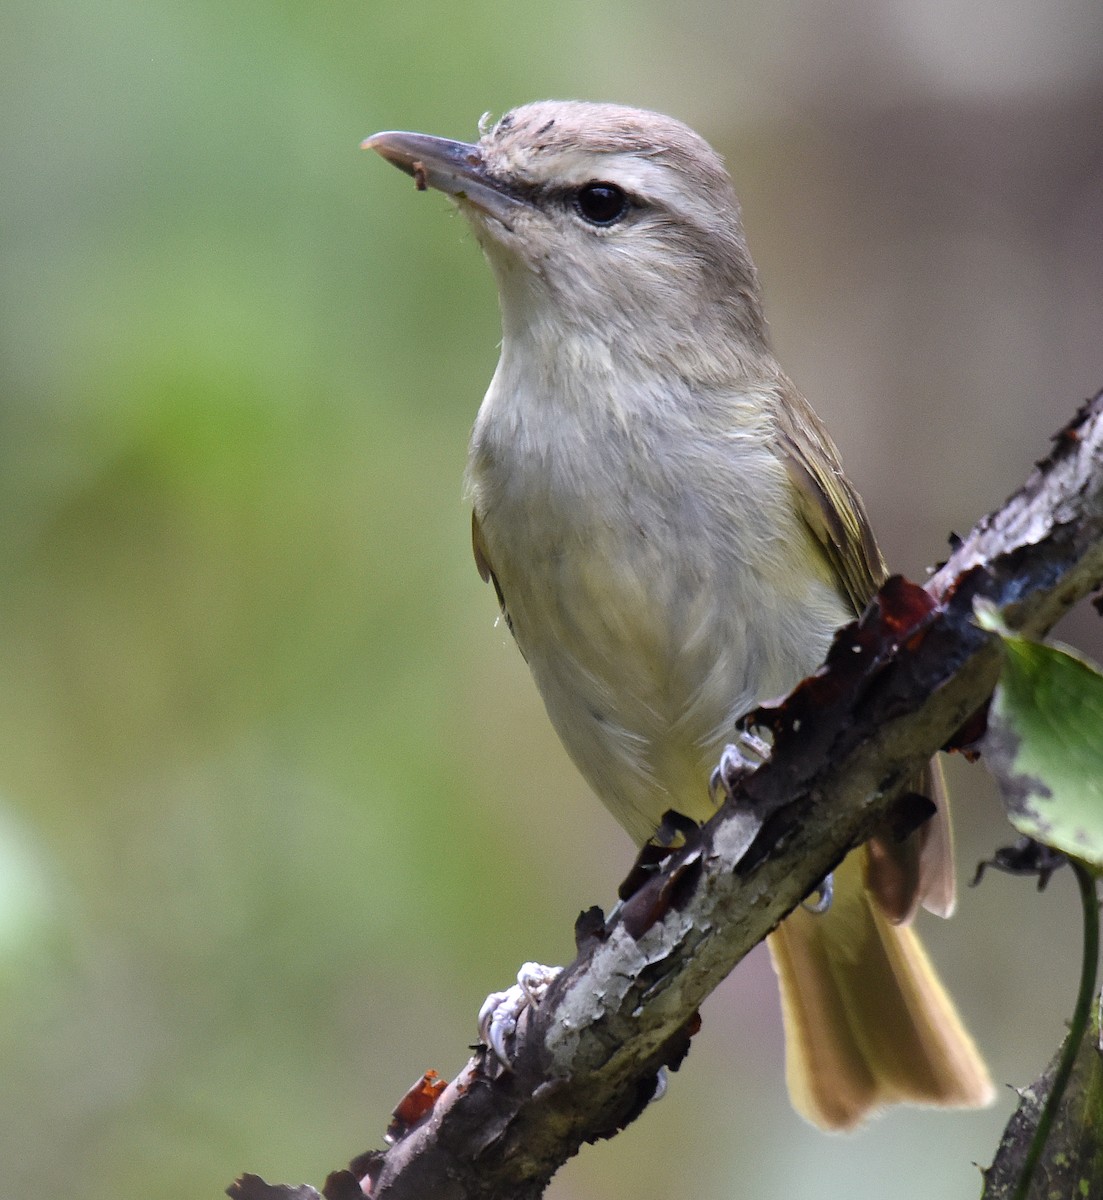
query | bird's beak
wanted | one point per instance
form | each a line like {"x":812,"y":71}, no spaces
{"x":455,"y":168}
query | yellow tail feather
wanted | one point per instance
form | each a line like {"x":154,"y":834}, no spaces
{"x":867,"y":1022}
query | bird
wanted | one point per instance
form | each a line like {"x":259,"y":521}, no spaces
{"x":671,"y":539}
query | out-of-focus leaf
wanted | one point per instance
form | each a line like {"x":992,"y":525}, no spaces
{"x":1072,"y":1163}
{"x":1044,"y":745}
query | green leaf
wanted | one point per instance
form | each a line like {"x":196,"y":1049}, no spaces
{"x":1044,"y":744}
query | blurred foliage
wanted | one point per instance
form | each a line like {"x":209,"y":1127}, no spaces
{"x":277,"y":803}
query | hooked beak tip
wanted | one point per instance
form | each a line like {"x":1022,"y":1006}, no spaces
{"x":380,"y":143}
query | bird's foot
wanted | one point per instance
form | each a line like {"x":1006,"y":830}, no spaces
{"x":737,"y":761}
{"x":825,"y":893}
{"x":501,"y":1011}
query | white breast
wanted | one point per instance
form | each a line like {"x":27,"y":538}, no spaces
{"x":653,"y":598}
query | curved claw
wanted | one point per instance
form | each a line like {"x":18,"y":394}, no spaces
{"x":826,"y":893}
{"x":498,"y":1022}
{"x":501,"y":1011}
{"x":737,"y":761}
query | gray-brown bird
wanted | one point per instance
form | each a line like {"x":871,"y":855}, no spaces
{"x":671,"y":537}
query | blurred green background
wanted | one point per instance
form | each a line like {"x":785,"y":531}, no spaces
{"x":278,"y":804}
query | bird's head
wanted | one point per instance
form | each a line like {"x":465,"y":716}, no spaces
{"x":601,"y":217}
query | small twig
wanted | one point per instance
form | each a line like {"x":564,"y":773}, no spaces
{"x":1089,"y":968}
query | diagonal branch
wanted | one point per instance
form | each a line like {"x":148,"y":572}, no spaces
{"x":897,"y":685}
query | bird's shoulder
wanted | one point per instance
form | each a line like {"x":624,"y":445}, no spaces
{"x":827,"y":501}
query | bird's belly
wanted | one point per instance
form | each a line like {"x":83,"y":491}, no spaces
{"x":658,"y":579}
{"x":646,"y":649}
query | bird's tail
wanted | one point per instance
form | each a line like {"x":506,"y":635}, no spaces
{"x":867,"y":1022}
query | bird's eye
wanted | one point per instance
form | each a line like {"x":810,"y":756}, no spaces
{"x":601,"y":203}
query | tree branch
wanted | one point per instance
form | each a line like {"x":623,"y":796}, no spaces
{"x":897,"y":685}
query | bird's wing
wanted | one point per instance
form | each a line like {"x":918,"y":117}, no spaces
{"x":830,"y":506}
{"x":921,"y":868}
{"x":486,"y":571}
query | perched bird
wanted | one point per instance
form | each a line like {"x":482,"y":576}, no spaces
{"x":672,"y":540}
